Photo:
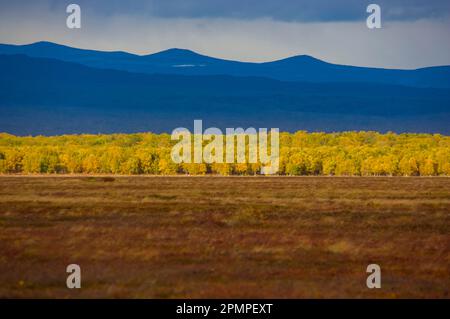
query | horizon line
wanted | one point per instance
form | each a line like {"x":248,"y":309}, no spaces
{"x":223,"y":59}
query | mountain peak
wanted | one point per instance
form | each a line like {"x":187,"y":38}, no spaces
{"x":177,"y":55}
{"x":177,"y":52}
{"x":303,"y":58}
{"x":47,"y":44}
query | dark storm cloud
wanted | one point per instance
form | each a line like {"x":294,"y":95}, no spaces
{"x":282,"y":10}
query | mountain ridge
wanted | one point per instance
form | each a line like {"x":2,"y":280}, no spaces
{"x":183,"y":61}
{"x":50,"y":96}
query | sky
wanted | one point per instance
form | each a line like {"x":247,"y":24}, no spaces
{"x":414,"y":33}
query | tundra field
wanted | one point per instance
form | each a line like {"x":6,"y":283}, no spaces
{"x":224,"y":237}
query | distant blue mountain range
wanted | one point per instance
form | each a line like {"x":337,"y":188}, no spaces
{"x":178,"y":61}
{"x":51,"y":89}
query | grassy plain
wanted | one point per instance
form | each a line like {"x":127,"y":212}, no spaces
{"x":196,"y":237}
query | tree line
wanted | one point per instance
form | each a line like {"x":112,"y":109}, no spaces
{"x":301,"y":153}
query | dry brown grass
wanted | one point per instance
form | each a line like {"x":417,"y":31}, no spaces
{"x":169,"y":237}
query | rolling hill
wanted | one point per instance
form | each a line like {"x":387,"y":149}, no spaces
{"x":185,"y":62}
{"x":50,"y":96}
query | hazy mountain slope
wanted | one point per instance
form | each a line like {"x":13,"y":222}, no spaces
{"x":45,"y":96}
{"x":177,"y":61}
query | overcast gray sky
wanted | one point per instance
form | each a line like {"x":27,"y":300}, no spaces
{"x":414,"y":33}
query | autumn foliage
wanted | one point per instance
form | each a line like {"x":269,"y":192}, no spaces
{"x":301,"y":153}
